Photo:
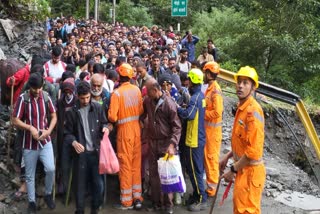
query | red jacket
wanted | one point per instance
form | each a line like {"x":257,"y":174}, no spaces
{"x":21,"y":77}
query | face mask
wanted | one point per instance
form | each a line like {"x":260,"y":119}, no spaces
{"x":68,"y":97}
{"x":96,"y":93}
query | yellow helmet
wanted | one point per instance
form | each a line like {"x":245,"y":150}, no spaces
{"x":250,"y":72}
{"x":196,"y":76}
{"x":212,"y":67}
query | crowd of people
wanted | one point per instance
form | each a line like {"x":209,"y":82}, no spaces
{"x":146,"y":89}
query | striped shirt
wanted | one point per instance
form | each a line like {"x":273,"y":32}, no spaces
{"x":33,"y":113}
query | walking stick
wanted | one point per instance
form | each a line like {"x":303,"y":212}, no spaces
{"x":105,"y":189}
{"x":54,"y":182}
{"x":69,"y":186}
{"x":215,"y":197}
{"x":11,"y":123}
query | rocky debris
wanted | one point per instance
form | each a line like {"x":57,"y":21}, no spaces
{"x":280,"y":149}
{"x":279,"y":182}
{"x":2,"y":55}
{"x":4,"y":169}
{"x":20,"y":39}
{"x":8,"y":26}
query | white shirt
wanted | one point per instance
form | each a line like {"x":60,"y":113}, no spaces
{"x":69,"y":28}
{"x":54,"y":70}
{"x":185,"y":67}
{"x":108,"y":85}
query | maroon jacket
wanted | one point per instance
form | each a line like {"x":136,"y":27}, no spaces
{"x":163,"y":121}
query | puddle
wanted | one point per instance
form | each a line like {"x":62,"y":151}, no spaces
{"x":299,"y":200}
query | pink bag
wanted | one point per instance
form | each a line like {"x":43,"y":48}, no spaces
{"x":108,"y":161}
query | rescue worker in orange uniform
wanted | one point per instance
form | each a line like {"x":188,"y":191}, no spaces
{"x":213,"y":126}
{"x":247,"y":146}
{"x":125,"y":109}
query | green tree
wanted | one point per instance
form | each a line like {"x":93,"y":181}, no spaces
{"x":129,"y":14}
{"x":29,"y":10}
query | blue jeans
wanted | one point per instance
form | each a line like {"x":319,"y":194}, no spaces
{"x":30,"y":158}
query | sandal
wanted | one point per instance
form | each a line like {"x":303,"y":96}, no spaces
{"x":18,"y":195}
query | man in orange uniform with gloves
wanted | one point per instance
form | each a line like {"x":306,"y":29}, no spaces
{"x":213,"y":126}
{"x":125,"y":109}
{"x":247,"y":146}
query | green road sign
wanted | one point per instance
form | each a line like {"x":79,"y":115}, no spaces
{"x":179,"y":7}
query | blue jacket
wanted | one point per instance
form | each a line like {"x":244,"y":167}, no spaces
{"x":191,"y":47}
{"x":196,"y":104}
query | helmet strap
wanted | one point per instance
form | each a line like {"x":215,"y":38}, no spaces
{"x":245,"y":98}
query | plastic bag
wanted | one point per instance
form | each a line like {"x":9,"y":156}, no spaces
{"x":170,"y":174}
{"x":108,"y":161}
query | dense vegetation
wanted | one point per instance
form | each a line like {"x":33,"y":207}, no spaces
{"x":281,"y":38}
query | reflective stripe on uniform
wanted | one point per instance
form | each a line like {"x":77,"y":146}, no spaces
{"x":137,"y":194}
{"x":212,"y":124}
{"x":116,"y":93}
{"x":258,"y":116}
{"x":136,"y":186}
{"x":212,"y":185}
{"x":127,"y":198}
{"x":128,"y":119}
{"x":126,"y":191}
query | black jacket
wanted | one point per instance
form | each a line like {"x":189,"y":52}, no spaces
{"x":74,"y":126}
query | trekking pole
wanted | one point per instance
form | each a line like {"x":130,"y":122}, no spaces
{"x":11,"y":123}
{"x":105,"y":189}
{"x":215,"y":197}
{"x":69,"y":186}
{"x":54,"y":182}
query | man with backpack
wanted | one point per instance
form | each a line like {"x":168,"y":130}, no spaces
{"x":31,"y":115}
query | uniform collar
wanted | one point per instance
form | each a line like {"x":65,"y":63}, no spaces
{"x":212,"y":86}
{"x":246,"y":103}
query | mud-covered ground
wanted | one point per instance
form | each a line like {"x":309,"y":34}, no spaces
{"x":286,"y":183}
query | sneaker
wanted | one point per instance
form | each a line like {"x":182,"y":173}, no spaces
{"x":177,"y":198}
{"x":32,"y":209}
{"x":49,"y":201}
{"x":196,"y":207}
{"x":190,"y":200}
{"x":122,"y":207}
{"x":137,"y":204}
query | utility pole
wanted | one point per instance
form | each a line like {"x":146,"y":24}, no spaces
{"x":87,"y":9}
{"x":114,"y":13}
{"x":96,"y":10}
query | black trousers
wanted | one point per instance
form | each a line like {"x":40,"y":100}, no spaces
{"x":86,"y":171}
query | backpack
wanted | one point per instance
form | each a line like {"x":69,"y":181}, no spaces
{"x":26,"y":98}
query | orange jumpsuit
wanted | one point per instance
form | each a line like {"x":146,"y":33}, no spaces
{"x":248,"y":139}
{"x":213,"y":127}
{"x":125,"y":109}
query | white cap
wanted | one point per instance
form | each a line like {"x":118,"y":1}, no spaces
{"x":169,"y":42}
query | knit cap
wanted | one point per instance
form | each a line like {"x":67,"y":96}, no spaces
{"x":68,"y":84}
